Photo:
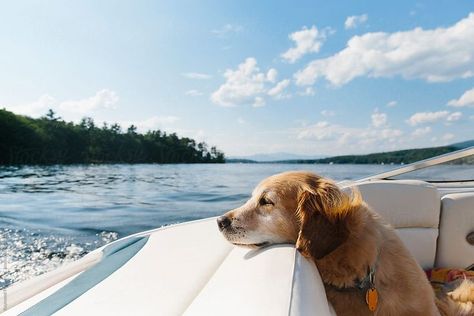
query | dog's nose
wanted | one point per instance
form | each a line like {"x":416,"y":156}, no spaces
{"x":223,"y":222}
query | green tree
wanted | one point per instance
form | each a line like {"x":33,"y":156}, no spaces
{"x":49,"y":139}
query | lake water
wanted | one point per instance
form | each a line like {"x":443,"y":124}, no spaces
{"x":50,"y":215}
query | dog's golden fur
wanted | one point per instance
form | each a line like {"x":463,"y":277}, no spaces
{"x":344,"y":238}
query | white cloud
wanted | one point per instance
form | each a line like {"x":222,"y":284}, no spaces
{"x":378,"y":119}
{"x":241,"y":121}
{"x":421,"y":131}
{"x":103,"y":99}
{"x":447,"y":137}
{"x":327,"y":113}
{"x":355,"y":20}
{"x":467,"y":99}
{"x":193,"y":93}
{"x":272,"y":75}
{"x":227,"y":30}
{"x":151,"y":123}
{"x":433,"y":117}
{"x":455,"y":116}
{"x":245,"y":85}
{"x":319,"y":131}
{"x":277,"y":90}
{"x":306,"y":41}
{"x":341,"y":135}
{"x":308,"y":91}
{"x":427,"y":117}
{"x":390,"y":134}
{"x":35,"y":108}
{"x":258,"y":102}
{"x":74,"y":110}
{"x":435,"y":55}
{"x":392,"y":104}
{"x":196,"y":75}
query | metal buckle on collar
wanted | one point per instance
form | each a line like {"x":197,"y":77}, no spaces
{"x":372,"y":276}
{"x":368,"y":281}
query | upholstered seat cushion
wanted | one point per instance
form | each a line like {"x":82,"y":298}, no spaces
{"x":457,"y":221}
{"x":403,"y":203}
{"x":413,"y":208}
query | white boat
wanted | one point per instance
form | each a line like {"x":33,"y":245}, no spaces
{"x":190,"y":269}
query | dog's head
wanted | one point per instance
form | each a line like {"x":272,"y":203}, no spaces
{"x":292,"y":207}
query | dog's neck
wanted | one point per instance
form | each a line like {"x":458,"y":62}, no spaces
{"x":351,"y":261}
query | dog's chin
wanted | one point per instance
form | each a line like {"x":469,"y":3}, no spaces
{"x":253,"y":246}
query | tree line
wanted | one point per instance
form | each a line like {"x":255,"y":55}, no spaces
{"x":396,"y":157}
{"x":51,"y":140}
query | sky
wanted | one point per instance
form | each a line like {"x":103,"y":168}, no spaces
{"x":304,"y":77}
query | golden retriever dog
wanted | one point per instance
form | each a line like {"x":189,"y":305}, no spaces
{"x":365,"y":267}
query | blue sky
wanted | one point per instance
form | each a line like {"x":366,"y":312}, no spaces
{"x":306,"y":77}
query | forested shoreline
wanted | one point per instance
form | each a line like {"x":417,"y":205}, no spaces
{"x":51,"y":140}
{"x":395,"y":157}
{"x":392,"y":157}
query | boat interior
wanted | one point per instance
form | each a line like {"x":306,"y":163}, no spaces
{"x":191,"y":269}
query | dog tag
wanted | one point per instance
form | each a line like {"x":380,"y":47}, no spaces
{"x":372,"y":298}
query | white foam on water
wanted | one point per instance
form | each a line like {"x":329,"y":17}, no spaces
{"x":25,"y":254}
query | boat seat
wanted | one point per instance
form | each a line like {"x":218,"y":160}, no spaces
{"x":412,"y":207}
{"x":457,"y":221}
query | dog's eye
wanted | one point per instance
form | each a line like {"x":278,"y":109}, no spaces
{"x":265,"y":201}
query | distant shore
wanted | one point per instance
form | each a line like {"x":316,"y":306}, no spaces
{"x":398,"y":157}
{"x":51,"y":140}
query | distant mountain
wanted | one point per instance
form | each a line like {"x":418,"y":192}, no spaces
{"x":272,"y":157}
{"x":396,"y":157}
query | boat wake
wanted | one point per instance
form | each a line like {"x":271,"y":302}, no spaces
{"x":28,"y":253}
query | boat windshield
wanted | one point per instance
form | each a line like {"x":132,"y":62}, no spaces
{"x":459,"y":170}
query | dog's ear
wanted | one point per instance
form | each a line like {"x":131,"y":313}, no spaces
{"x":322,"y":212}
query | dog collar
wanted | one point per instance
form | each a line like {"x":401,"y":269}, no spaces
{"x":368,"y":284}
{"x":368,"y":281}
{"x":371,"y":295}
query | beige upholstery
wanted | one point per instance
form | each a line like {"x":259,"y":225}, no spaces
{"x":413,"y":208}
{"x":421,"y":242}
{"x":457,"y":220}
